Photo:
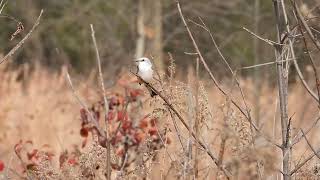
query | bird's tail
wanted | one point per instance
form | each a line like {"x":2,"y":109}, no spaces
{"x":151,"y":91}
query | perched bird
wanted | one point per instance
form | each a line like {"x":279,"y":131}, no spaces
{"x":145,"y":72}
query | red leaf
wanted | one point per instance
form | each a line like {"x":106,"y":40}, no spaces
{"x":121,"y":100}
{"x":113,"y":102}
{"x":84,"y":142}
{"x":134,"y":93}
{"x":84,"y":132}
{"x":120,"y":152}
{"x":32,"y":154}
{"x":83,"y":115}
{"x":168,"y":141}
{"x":110,"y":116}
{"x":126,"y":125}
{"x":122,"y":116}
{"x":152,"y":131}
{"x":72,"y":161}
{"x":117,"y":139}
{"x":97,"y":115}
{"x":153,"y":122}
{"x":143,"y":123}
{"x":1,"y":166}
{"x":139,"y":137}
{"x":18,"y":147}
{"x":63,"y":157}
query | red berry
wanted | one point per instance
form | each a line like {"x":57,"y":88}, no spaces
{"x":1,"y":166}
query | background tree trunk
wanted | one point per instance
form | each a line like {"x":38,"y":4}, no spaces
{"x":256,"y":56}
{"x":140,"y":45}
{"x":149,"y":27}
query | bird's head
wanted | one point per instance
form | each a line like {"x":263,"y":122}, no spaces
{"x":143,"y":61}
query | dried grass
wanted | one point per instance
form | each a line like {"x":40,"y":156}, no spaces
{"x":38,"y":106}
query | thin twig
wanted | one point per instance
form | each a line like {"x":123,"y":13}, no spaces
{"x":304,"y":162}
{"x":298,"y":137}
{"x":2,"y":5}
{"x":14,"y":49}
{"x":204,"y":62}
{"x":164,"y":144}
{"x":197,"y":122}
{"x":265,"y":64}
{"x":177,"y":130}
{"x":106,"y":105}
{"x":300,"y":75}
{"x":204,"y":26}
{"x":83,"y":105}
{"x":303,"y":22}
{"x":272,"y":43}
{"x":309,"y":144}
{"x":120,"y":173}
{"x":305,"y":25}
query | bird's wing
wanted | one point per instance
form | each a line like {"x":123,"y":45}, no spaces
{"x":137,"y":67}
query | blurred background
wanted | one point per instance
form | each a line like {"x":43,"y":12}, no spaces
{"x":126,"y":29}
{"x":35,"y":99}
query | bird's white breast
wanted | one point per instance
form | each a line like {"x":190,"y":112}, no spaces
{"x":145,"y":71}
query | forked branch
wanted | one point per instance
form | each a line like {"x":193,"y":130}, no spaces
{"x":15,"y":48}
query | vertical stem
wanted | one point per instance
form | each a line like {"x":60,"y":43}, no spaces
{"x":282,"y":77}
{"x":196,"y":151}
{"x":257,"y":74}
{"x":106,"y":105}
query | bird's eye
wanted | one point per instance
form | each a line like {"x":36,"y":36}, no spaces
{"x":142,"y":59}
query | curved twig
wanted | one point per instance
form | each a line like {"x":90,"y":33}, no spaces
{"x":14,"y":49}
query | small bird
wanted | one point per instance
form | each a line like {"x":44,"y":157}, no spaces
{"x":145,"y":72}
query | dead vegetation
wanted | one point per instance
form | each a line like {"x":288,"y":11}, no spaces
{"x":51,"y":121}
{"x":57,"y":126}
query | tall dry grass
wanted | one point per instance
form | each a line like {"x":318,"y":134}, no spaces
{"x":39,"y":107}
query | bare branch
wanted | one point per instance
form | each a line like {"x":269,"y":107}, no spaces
{"x":309,"y":144}
{"x":315,"y":152}
{"x":2,"y":5}
{"x":106,"y":105}
{"x":14,"y":49}
{"x":206,"y":65}
{"x":84,"y":106}
{"x":298,"y":137}
{"x":300,"y":21}
{"x":272,"y":43}
{"x":305,"y":25}
{"x":267,"y":63}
